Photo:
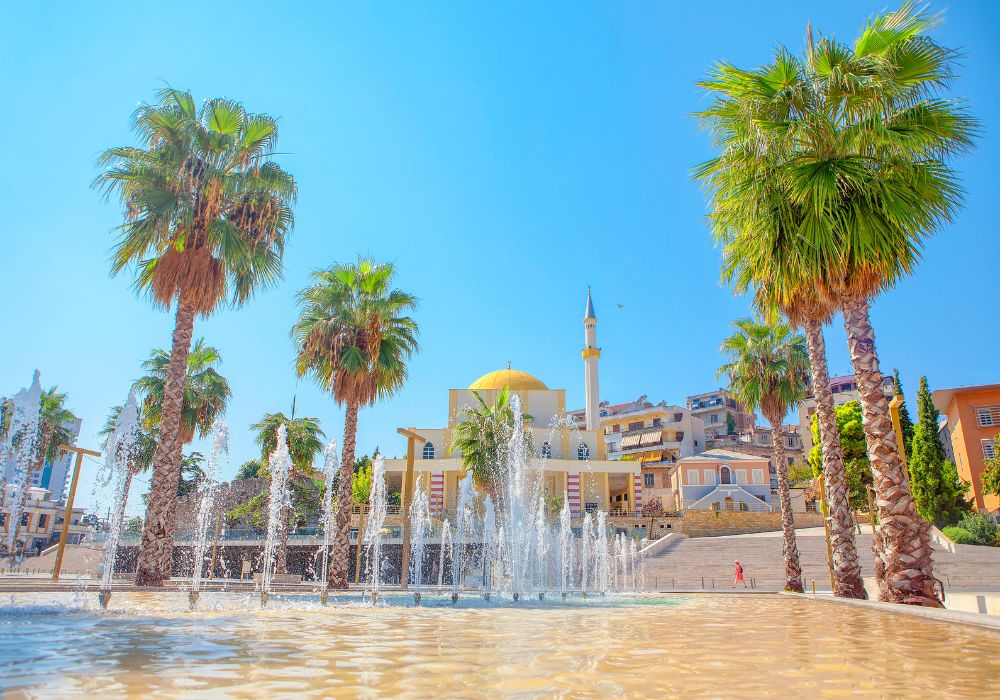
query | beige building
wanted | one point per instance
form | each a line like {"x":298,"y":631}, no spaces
{"x":573,"y":459}
{"x":721,"y":413}
{"x":758,"y":442}
{"x":41,"y":521}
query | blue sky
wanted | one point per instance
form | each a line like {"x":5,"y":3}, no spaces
{"x":503,"y":155}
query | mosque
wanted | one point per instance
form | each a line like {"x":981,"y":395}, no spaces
{"x":574,"y":460}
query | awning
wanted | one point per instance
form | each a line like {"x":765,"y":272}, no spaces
{"x":630,"y":441}
{"x":651,"y":437}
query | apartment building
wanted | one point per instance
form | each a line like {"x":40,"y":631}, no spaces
{"x":758,"y":443}
{"x":41,"y":521}
{"x":973,"y":415}
{"x":721,"y":413}
{"x":844,"y":389}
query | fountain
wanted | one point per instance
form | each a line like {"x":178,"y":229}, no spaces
{"x":420,"y":525}
{"x":280,"y":463}
{"x":587,"y":552}
{"x":21,"y":443}
{"x":565,"y":548}
{"x":207,"y":488}
{"x":489,"y":546}
{"x":330,"y":466}
{"x":447,"y":546}
{"x":119,"y":451}
{"x":373,"y":528}
{"x":465,"y":525}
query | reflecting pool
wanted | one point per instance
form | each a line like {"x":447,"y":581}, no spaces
{"x":149,"y":645}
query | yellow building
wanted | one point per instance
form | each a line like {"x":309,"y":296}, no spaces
{"x":574,"y":461}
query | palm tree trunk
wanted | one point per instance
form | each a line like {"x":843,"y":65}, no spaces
{"x":903,"y":564}
{"x":156,"y":551}
{"x":847,"y":581}
{"x":789,"y":547}
{"x":361,"y":535}
{"x":340,"y":551}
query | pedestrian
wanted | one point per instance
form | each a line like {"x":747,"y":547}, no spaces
{"x":738,"y":578}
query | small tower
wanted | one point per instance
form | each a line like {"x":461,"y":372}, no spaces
{"x":591,"y":353}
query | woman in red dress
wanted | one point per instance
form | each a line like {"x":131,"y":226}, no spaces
{"x":739,"y":576}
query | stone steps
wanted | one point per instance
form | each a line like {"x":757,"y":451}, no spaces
{"x":689,"y":561}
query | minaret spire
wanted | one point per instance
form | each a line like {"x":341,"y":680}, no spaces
{"x":591,"y":354}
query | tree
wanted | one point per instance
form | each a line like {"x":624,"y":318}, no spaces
{"x":354,"y":337}
{"x":361,"y":491}
{"x":834,"y":170}
{"x":251,"y":469}
{"x":305,"y":441}
{"x":481,"y":438}
{"x":991,"y":471}
{"x":937,"y":490}
{"x":767,"y":369}
{"x":133,"y":526}
{"x":730,"y":423}
{"x":192,"y":473}
{"x":905,"y":422}
{"x":853,"y":449}
{"x":53,"y":430}
{"x":206,"y":392}
{"x":206,"y":216}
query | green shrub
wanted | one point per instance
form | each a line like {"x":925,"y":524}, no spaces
{"x":983,"y":528}
{"x":959,"y":535}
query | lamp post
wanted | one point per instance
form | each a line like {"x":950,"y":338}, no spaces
{"x":80,"y":452}
{"x":411,"y":439}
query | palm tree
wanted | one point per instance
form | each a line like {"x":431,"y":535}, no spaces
{"x":305,"y":440}
{"x":206,"y":218}
{"x":767,"y":369}
{"x":205,"y":397}
{"x":482,"y":436}
{"x":354,"y":337}
{"x":141,"y":458}
{"x":53,"y":431}
{"x":843,"y":155}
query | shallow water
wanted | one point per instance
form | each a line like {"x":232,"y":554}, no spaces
{"x":708,"y":646}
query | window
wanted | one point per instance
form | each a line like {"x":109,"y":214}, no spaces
{"x":546,"y":450}
{"x":693,"y":476}
{"x":678,"y":417}
{"x":24,"y":518}
{"x":583,"y":451}
{"x":680,"y":437}
{"x":758,"y":476}
{"x":725,"y":475}
{"x":791,"y":461}
{"x":637,"y":425}
{"x":41,"y":521}
{"x":989,"y":449}
{"x":695,"y":442}
{"x":3,"y":518}
{"x":616,"y":428}
{"x":791,"y":442}
{"x":730,"y":503}
{"x":741,"y":476}
{"x":987,"y":416}
{"x":428,"y":450}
{"x":709,"y":477}
{"x":714,"y":418}
{"x":603,"y":413}
{"x":744,"y":506}
{"x":649,"y":479}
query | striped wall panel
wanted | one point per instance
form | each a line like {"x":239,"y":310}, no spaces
{"x":573,"y":492}
{"x":437,"y":492}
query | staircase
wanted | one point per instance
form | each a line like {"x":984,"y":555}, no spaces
{"x":686,"y":563}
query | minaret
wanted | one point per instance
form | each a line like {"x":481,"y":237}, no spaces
{"x":591,"y":353}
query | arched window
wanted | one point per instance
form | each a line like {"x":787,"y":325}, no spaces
{"x":428,"y":450}
{"x":546,"y":450}
{"x":725,"y":475}
{"x":583,"y":451}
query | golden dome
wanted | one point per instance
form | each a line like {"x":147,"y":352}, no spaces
{"x":516,"y":380}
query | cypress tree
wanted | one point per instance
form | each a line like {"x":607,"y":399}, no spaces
{"x":938,"y":491}
{"x":904,"y":415}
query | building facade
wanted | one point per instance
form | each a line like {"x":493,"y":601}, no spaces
{"x":722,"y":480}
{"x":844,"y":388}
{"x":973,"y":421}
{"x":721,"y":413}
{"x":41,"y":521}
{"x":758,"y":442}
